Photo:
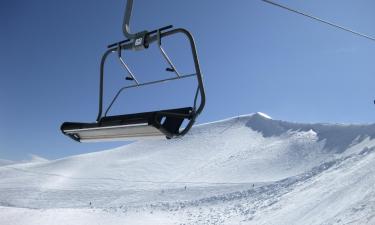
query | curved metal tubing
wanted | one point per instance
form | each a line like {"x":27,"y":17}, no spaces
{"x":127,"y":15}
{"x":151,"y":39}
{"x":101,"y":82}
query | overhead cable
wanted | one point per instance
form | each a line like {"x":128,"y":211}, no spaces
{"x":320,"y":20}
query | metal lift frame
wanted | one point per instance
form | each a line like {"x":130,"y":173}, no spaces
{"x":140,"y":41}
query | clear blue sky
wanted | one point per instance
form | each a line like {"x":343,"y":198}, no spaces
{"x":255,"y":57}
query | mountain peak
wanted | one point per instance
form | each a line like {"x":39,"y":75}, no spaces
{"x":36,"y":159}
{"x":263,"y":115}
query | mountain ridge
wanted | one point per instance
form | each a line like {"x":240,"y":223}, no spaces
{"x":250,"y":167}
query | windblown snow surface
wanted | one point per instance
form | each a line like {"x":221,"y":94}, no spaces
{"x":244,"y":170}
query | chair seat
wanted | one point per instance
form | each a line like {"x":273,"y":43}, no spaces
{"x":130,"y":126}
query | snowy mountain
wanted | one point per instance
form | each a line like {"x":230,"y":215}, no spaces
{"x":34,"y":159}
{"x":4,"y":162}
{"x":245,"y":170}
{"x":31,"y":159}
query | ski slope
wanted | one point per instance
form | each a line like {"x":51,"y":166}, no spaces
{"x":4,"y":162}
{"x":244,"y":170}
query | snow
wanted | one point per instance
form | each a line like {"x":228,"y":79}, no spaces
{"x":32,"y":159}
{"x":4,"y":162}
{"x":264,"y":115}
{"x":35,"y":159}
{"x":249,"y":169}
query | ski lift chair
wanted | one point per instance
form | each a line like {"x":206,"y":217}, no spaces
{"x":164,"y":123}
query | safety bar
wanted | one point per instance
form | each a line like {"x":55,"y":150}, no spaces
{"x":172,"y":67}
{"x":144,"y":84}
{"x":150,"y":39}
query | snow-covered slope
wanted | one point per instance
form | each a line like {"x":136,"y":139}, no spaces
{"x":244,"y":170}
{"x":4,"y":162}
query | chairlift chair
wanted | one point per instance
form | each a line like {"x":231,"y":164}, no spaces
{"x":162,"y":123}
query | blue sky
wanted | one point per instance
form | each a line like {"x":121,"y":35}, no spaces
{"x":255,"y":57}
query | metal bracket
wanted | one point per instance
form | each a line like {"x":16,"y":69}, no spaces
{"x":139,"y":39}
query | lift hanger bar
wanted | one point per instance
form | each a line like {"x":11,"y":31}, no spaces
{"x":125,"y":25}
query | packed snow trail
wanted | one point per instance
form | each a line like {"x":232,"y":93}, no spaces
{"x":245,"y":170}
